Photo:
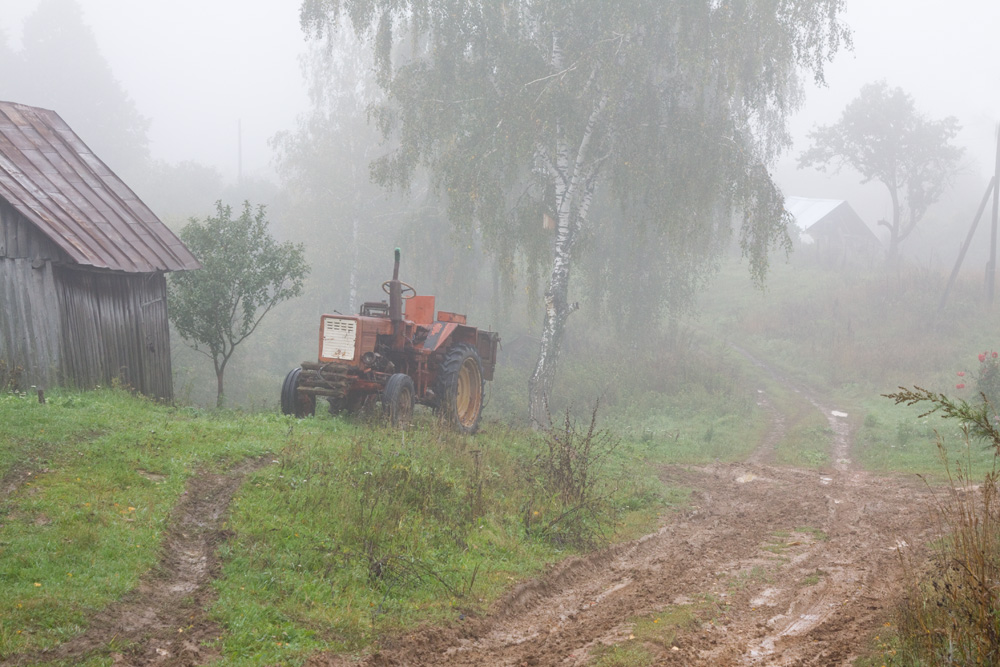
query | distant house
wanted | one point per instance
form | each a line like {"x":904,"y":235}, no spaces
{"x":82,"y":264}
{"x":833,"y":228}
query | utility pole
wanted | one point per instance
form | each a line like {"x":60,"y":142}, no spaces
{"x":992,"y":190}
{"x":992,"y":268}
{"x":239,"y":151}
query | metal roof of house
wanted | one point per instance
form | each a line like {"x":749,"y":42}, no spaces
{"x":55,"y":181}
{"x":807,"y":212}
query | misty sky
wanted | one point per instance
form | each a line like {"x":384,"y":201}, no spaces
{"x":198,"y":67}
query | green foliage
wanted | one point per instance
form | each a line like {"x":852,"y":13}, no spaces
{"x":855,"y":330}
{"x":950,"y":615}
{"x":976,"y":419}
{"x":988,"y":379}
{"x":244,"y":274}
{"x":667,"y":113}
{"x":501,"y":89}
{"x":881,"y":136}
{"x":10,"y":376}
{"x":574,"y":495}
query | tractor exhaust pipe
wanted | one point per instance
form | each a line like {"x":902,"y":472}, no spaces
{"x":396,"y":305}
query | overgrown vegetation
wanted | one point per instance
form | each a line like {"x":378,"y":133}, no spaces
{"x":349,"y":532}
{"x":10,"y":376}
{"x":345,"y":532}
{"x":950,"y":616}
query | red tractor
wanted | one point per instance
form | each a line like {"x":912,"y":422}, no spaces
{"x":399,"y":358}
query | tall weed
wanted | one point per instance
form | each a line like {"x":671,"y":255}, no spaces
{"x":952,"y":613}
{"x":572,"y":495}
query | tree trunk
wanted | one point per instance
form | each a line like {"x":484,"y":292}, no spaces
{"x":572,"y":172}
{"x":573,"y":181}
{"x":220,"y":394}
{"x":557,"y":311}
{"x":220,"y":371}
{"x":894,"y":231}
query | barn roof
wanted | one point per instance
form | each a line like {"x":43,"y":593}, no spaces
{"x":807,"y":212}
{"x":819,"y":217}
{"x":56,"y":182}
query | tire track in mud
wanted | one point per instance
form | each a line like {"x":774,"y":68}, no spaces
{"x":782,"y":566}
{"x":164,"y":621}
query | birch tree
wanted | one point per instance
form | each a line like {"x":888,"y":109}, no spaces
{"x":526,"y":110}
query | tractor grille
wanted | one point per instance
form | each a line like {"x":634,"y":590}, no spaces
{"x":338,"y":338}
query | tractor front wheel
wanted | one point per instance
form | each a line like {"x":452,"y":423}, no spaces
{"x":460,"y":388}
{"x":291,"y":403}
{"x":397,"y":400}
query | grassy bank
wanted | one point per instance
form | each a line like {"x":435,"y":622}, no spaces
{"x":342,"y":531}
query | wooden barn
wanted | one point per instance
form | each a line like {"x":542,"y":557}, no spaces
{"x":83,"y":297}
{"x":834,"y":231}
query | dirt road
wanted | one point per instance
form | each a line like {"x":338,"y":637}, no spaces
{"x":776,"y":566}
{"x":768,"y":565}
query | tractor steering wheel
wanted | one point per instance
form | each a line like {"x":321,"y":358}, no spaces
{"x":407,"y":290}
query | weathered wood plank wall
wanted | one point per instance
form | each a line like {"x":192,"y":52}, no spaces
{"x":115,"y":329}
{"x":29,"y":312}
{"x":77,"y":326}
{"x":19,"y":239}
{"x":29,"y":321}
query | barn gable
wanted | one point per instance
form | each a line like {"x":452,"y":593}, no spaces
{"x":82,"y":264}
{"x":49,"y":176}
{"x":834,"y":228}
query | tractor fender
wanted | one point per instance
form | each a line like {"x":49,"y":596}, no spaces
{"x":443,"y":333}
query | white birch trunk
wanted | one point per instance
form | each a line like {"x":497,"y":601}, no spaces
{"x":574,"y":182}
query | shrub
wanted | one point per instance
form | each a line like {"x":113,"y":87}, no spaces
{"x":988,"y":379}
{"x":951,"y":616}
{"x":572,"y":494}
{"x":10,"y":377}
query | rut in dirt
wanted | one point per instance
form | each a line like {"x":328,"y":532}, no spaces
{"x":779,"y":566}
{"x":163,"y":621}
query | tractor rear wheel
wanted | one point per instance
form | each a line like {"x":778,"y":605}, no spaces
{"x":397,"y":400}
{"x":460,"y":388}
{"x":291,"y":404}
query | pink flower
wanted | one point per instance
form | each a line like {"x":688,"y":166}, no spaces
{"x":982,"y":357}
{"x":994,"y":355}
{"x":961,"y":374}
{"x":959,"y":386}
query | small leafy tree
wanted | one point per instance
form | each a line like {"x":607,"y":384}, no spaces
{"x":245,"y":273}
{"x":883,"y":137}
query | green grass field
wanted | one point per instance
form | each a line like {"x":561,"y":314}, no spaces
{"x":343,"y":531}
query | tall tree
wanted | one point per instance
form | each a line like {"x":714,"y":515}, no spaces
{"x":524,"y":109}
{"x":883,"y":137}
{"x":245,"y":273}
{"x":324,"y":162}
{"x":62,"y":68}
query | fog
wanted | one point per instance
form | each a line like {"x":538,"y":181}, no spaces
{"x":219,"y":80}
{"x":197,"y":69}
{"x":945,"y":55}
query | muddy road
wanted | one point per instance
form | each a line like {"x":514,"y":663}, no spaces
{"x":773,"y":565}
{"x":767,"y":565}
